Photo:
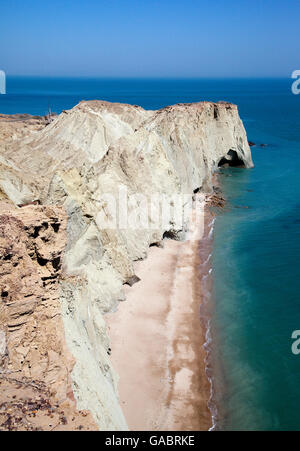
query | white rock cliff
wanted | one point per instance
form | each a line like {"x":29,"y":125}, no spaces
{"x":92,"y":150}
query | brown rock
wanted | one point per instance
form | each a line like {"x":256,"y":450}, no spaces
{"x":35,"y":365}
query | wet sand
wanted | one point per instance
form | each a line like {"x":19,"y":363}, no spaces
{"x":157,"y":339}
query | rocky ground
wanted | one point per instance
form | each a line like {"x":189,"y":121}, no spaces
{"x":35,"y":365}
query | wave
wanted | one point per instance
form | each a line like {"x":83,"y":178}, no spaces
{"x":211,"y":232}
{"x":205,"y":315}
{"x":207,"y":260}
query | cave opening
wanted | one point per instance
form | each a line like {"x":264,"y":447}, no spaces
{"x":232,"y":159}
{"x":170,"y":235}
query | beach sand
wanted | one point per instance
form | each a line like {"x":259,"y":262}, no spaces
{"x":157,"y":338}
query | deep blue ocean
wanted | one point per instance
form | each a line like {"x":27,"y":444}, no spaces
{"x":256,"y":271}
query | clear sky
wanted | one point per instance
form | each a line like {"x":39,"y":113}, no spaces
{"x":150,"y":38}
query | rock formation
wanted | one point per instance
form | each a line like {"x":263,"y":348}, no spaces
{"x":57,"y":261}
{"x":35,"y":364}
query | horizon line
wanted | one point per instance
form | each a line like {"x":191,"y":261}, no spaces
{"x":154,"y":77}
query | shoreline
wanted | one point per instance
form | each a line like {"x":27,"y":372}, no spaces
{"x":158,"y":338}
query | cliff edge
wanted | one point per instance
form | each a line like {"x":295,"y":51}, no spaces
{"x":56,"y":178}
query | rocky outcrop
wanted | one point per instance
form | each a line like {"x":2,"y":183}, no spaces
{"x":94,"y":149}
{"x":35,"y":364}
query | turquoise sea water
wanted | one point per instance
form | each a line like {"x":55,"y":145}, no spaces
{"x":256,"y":270}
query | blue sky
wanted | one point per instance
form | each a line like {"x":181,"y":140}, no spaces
{"x":150,"y":38}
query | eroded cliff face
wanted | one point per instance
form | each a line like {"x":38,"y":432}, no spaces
{"x":67,"y":166}
{"x":35,"y":364}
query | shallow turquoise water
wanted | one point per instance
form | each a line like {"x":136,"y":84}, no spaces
{"x":256,"y":274}
{"x":256,"y":269}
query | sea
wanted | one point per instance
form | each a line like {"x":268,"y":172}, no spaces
{"x":256,"y":241}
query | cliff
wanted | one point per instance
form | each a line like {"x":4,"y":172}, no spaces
{"x":73,"y":166}
{"x":35,"y":364}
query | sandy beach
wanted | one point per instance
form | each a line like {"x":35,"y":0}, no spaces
{"x":157,"y":338}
